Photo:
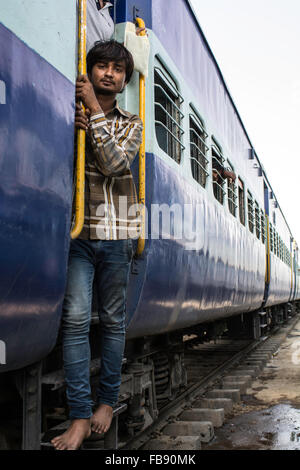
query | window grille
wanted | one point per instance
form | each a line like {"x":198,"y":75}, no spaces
{"x":285,"y":254}
{"x":241,"y":201}
{"x":263,"y":226}
{"x":198,"y":150}
{"x":231,"y":194}
{"x":271,"y":238}
{"x":250,"y":212}
{"x":288,"y":257}
{"x":218,"y":180}
{"x":168,"y":116}
{"x":280,"y":247}
{"x":257,"y":220}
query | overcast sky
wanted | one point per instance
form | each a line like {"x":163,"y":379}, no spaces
{"x":257,"y":46}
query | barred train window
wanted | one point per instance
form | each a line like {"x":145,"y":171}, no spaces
{"x":217,"y":165}
{"x":198,"y":150}
{"x":285,"y":253}
{"x":168,"y":117}
{"x":257,"y":220}
{"x":250,"y":212}
{"x":231,"y":193}
{"x":279,"y":247}
{"x":271,"y":238}
{"x":241,"y":201}
{"x":263,"y":226}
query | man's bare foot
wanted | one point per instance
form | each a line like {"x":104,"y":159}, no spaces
{"x":72,"y":439}
{"x":101,"y":419}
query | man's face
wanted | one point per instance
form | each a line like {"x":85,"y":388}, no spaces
{"x":108,"y":78}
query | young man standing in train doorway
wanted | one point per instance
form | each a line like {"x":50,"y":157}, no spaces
{"x":103,"y":250}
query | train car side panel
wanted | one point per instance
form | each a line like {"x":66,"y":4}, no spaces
{"x":36,"y":160}
{"x":211,"y":271}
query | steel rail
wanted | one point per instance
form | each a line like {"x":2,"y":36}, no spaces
{"x":176,"y":406}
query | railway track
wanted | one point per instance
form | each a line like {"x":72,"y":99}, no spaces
{"x":230,"y":367}
{"x":218,"y":374}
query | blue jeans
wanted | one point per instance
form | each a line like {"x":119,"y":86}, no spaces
{"x":109,"y":262}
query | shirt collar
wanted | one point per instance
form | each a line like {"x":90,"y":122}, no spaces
{"x":121,"y":111}
{"x":107,"y":5}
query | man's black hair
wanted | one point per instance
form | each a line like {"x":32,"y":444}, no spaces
{"x":216,"y":165}
{"x":110,"y":51}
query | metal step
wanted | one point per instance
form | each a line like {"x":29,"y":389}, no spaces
{"x":110,"y":438}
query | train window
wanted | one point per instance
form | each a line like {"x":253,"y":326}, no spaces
{"x":241,"y":201}
{"x":257,"y":220}
{"x":231,"y":193}
{"x":271,"y":238}
{"x":285,"y":254}
{"x":250,"y":212}
{"x":279,"y":247}
{"x":168,"y":117}
{"x":217,"y":167}
{"x":263,"y":226}
{"x":198,"y":149}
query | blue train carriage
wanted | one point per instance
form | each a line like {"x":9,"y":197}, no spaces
{"x":217,"y":269}
{"x":282,"y":262}
{"x":282,"y":253}
{"x":37,"y":76}
{"x":208,"y":254}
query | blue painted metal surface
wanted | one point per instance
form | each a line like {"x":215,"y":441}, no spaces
{"x":280,"y":282}
{"x":173,"y":287}
{"x":221,"y":276}
{"x":125,"y":10}
{"x":36,"y":159}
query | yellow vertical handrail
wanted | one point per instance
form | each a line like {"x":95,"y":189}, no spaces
{"x":80,"y":167}
{"x":142,"y":155}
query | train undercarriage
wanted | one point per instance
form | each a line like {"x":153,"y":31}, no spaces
{"x":33,"y":402}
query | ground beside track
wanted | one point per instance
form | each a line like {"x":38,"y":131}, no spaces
{"x":268,"y":416}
